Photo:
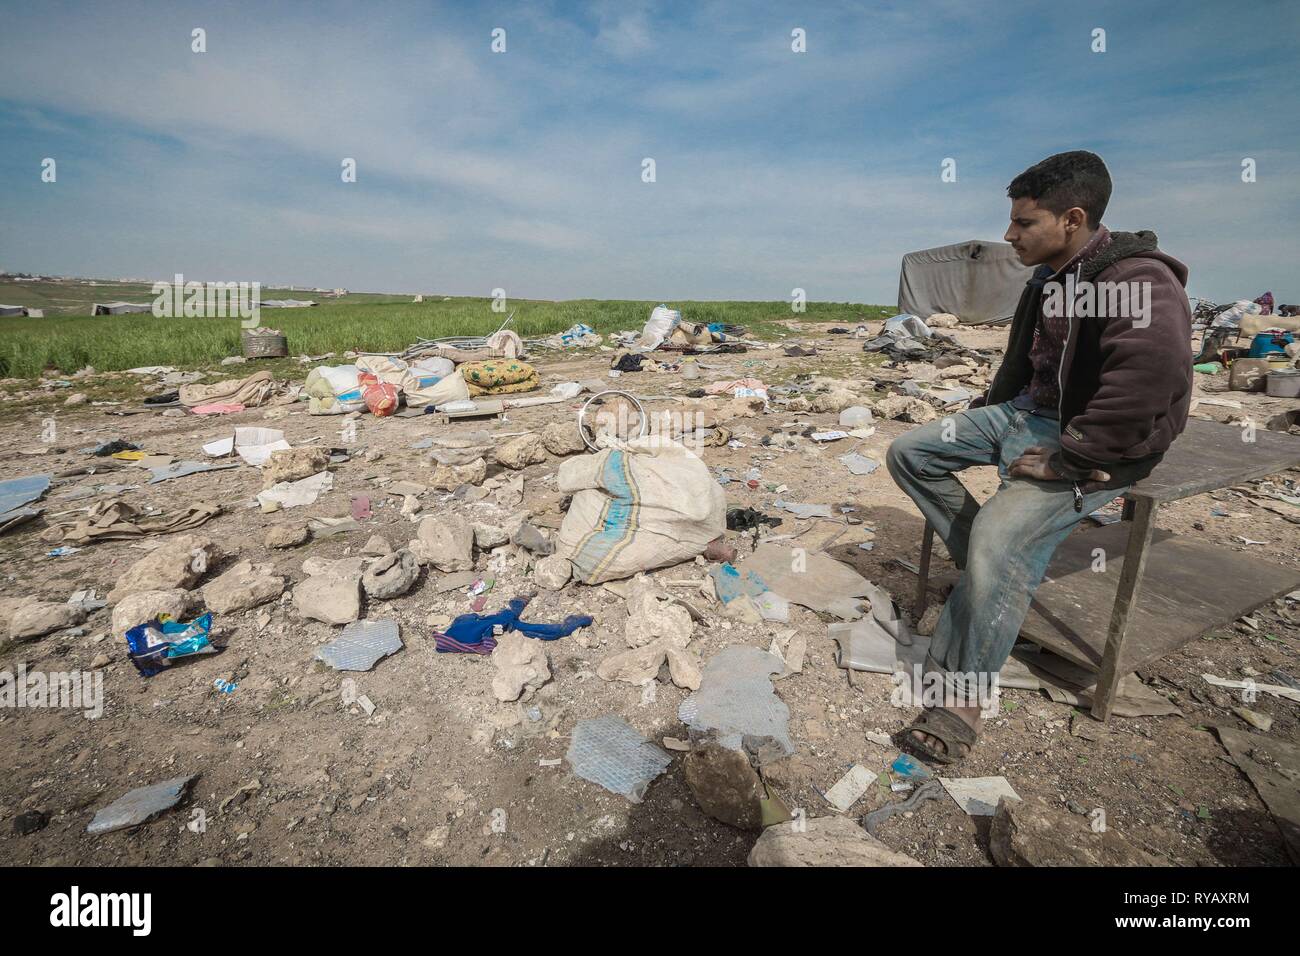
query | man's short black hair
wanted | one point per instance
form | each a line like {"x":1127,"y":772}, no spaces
{"x":1061,"y":182}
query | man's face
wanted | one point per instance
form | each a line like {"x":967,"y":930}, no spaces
{"x":1038,"y":235}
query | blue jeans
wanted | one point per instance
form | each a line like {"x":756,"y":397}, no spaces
{"x":1002,"y":548}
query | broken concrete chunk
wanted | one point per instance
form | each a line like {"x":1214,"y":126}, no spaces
{"x":552,"y":572}
{"x":377,"y":545}
{"x":651,"y":617}
{"x":292,"y":464}
{"x":451,"y":477}
{"x":824,"y":841}
{"x":40,"y":618}
{"x":329,"y":597}
{"x":532,"y":539}
{"x":834,"y":400}
{"x":684,"y":667}
{"x":145,"y":606}
{"x":243,"y":586}
{"x":179,"y":563}
{"x":562,"y":438}
{"x":446,"y":542}
{"x":391,"y":575}
{"x":789,"y":647}
{"x":287,"y":536}
{"x":521,"y":664}
{"x":637,"y":666}
{"x":905,"y":408}
{"x":519,"y":453}
{"x":1033,"y":833}
{"x":488,"y":536}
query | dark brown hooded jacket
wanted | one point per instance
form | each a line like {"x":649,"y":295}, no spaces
{"x":1125,"y":382}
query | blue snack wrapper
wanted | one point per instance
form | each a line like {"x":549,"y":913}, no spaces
{"x":161,"y":642}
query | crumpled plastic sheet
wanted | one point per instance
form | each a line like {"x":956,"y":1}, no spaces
{"x":180,"y":469}
{"x":19,"y":491}
{"x":610,"y":752}
{"x":803,"y":510}
{"x":361,"y":645}
{"x":736,"y":699}
{"x":140,"y":805}
{"x":859,"y":464}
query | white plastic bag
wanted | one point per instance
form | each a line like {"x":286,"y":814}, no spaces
{"x":661,"y":323}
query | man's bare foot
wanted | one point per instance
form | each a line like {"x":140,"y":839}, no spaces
{"x":970,"y":715}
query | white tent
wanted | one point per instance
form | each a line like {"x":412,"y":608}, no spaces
{"x":121,"y":308}
{"x":979,"y":282}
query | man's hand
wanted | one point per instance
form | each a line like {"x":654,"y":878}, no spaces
{"x":1035,"y":463}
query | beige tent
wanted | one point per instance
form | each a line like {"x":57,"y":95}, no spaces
{"x":979,"y":282}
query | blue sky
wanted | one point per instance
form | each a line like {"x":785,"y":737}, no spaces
{"x":522,"y":170}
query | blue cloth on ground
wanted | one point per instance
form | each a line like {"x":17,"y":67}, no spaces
{"x":472,"y":628}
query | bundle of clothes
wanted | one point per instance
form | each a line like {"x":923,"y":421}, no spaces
{"x":382,"y":384}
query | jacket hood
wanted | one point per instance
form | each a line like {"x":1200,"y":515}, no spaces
{"x":1127,"y":245}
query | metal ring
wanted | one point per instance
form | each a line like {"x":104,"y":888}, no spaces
{"x":582,"y":429}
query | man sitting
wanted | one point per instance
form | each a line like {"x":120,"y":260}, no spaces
{"x":1094,"y":387}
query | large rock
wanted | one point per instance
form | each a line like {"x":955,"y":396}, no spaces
{"x":332,"y":596}
{"x":446,"y":542}
{"x":339,"y":567}
{"x":520,"y":452}
{"x":835,"y":400}
{"x":8,"y":607}
{"x":651,"y":618}
{"x":391,"y":576}
{"x":143,"y":606}
{"x":451,"y":477}
{"x":39,"y":618}
{"x":1032,"y":832}
{"x":905,"y":408}
{"x":179,"y":563}
{"x":823,"y":841}
{"x":488,"y":536}
{"x":532,"y":539}
{"x":725,"y":785}
{"x":287,"y":536}
{"x":521,"y":663}
{"x":291,"y":464}
{"x":243,"y":586}
{"x":552,"y":572}
{"x":684,"y":667}
{"x":562,"y":438}
{"x":641,"y":664}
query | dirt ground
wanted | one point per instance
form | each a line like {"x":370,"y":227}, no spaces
{"x":423,"y":779}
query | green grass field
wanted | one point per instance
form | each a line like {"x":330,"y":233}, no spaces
{"x":369,"y":323}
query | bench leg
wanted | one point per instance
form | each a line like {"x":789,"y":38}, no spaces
{"x":923,"y":573}
{"x":1130,"y":583}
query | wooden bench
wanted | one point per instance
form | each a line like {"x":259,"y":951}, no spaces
{"x":1187,"y":587}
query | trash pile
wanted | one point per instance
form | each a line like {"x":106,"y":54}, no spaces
{"x":1254,"y":346}
{"x":551,"y":549}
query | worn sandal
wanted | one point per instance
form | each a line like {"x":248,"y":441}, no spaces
{"x":948,"y":727}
